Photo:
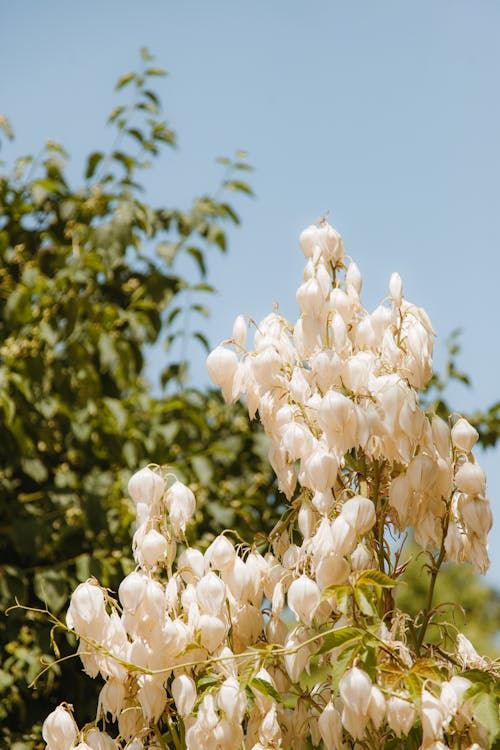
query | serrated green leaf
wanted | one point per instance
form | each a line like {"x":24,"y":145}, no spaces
{"x":375,"y":578}
{"x":341,"y":637}
{"x":265,"y":687}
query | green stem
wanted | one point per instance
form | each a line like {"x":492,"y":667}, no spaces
{"x":428,"y":609}
{"x":161,"y":740}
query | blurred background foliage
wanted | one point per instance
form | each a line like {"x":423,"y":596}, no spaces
{"x":88,"y":283}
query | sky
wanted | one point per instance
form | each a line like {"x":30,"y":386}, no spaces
{"x":386,"y":114}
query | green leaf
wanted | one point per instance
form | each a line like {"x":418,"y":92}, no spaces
{"x":265,"y":687}
{"x":239,"y":186}
{"x":375,"y":578}
{"x":364,"y":599}
{"x":94,"y":159}
{"x":155,"y":72}
{"x":486,"y":712}
{"x":340,"y":637}
{"x":124,"y":80}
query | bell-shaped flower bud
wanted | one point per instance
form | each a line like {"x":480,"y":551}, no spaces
{"x":433,"y":718}
{"x":319,"y":470}
{"x":310,"y":299}
{"x":355,"y":690}
{"x":470,"y":478}
{"x":400,"y":714}
{"x":191,"y":565}
{"x":87,"y":613}
{"x":463,"y":435}
{"x":296,"y":440}
{"x":422,"y":473}
{"x":330,"y":727}
{"x":181,"y":504}
{"x":240,"y":330}
{"x":212,"y":632}
{"x":376,"y":707}
{"x":59,"y":729}
{"x":343,"y":536}
{"x":296,"y":660}
{"x":400,"y":494}
{"x":396,"y":289}
{"x":303,"y":598}
{"x":146,"y":486}
{"x":184,"y":694}
{"x":152,"y":697}
{"x":308,"y":239}
{"x":362,"y":558}
{"x":221,"y":366}
{"x":359,"y":512}
{"x":232,"y":700}
{"x":132,"y":590}
{"x":476,"y":513}
{"x":332,"y":570}
{"x":270,"y":729}
{"x":211,"y":593}
{"x":353,"y":278}
{"x":153,"y":548}
{"x":220,"y":554}
{"x":112,"y":698}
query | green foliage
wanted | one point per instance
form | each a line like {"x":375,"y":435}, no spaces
{"x":461,"y":600}
{"x":87,"y":281}
{"x":486,"y":421}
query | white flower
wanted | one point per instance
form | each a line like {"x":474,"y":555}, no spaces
{"x":463,"y":435}
{"x":184,"y":694}
{"x":221,"y":366}
{"x":59,"y":729}
{"x":303,"y":598}
{"x":146,"y":486}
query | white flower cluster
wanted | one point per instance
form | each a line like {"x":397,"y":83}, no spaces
{"x":339,"y":391}
{"x":198,"y":652}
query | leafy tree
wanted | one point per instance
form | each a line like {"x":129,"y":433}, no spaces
{"x":87,"y":282}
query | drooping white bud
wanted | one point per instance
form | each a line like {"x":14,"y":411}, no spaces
{"x":359,"y":512}
{"x":212,"y":632}
{"x":355,"y":690}
{"x":396,"y":288}
{"x":191,"y":565}
{"x":86,"y":612}
{"x":376,"y":706}
{"x":184,"y":694}
{"x":470,"y":478}
{"x":146,"y":486}
{"x":221,"y":366}
{"x":152,"y":696}
{"x":211,"y":593}
{"x":400,"y":715}
{"x":232,"y":700}
{"x":463,"y":435}
{"x":220,"y":554}
{"x":153,"y":548}
{"x":59,"y":729}
{"x":240,"y":330}
{"x":353,"y":278}
{"x":303,"y":598}
{"x":330,"y":727}
{"x":132,"y":590}
{"x":181,"y":504}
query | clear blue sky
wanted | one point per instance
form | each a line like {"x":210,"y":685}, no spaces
{"x":386,"y":113}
